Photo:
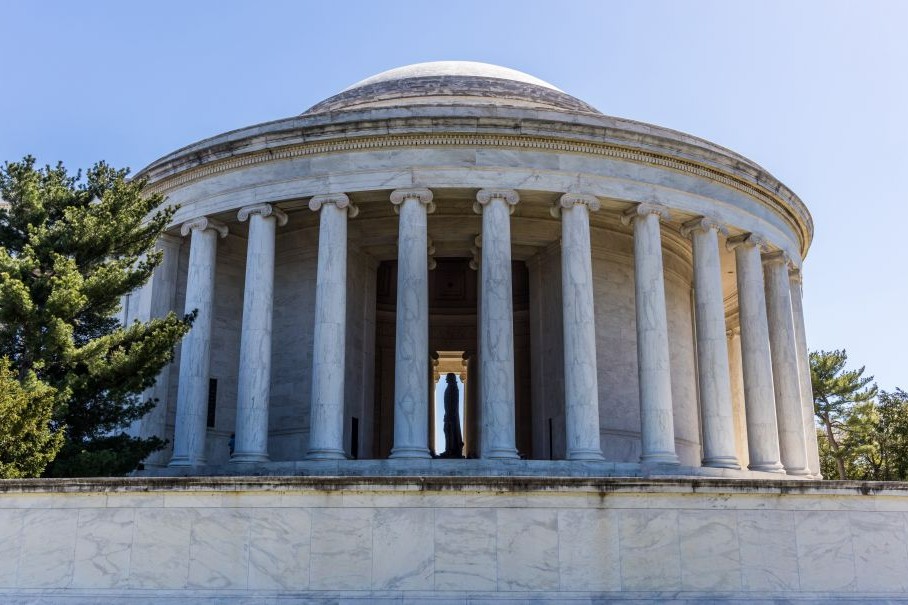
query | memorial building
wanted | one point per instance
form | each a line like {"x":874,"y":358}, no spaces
{"x":610,"y":292}
{"x":463,"y":338}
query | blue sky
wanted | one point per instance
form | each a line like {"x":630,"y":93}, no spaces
{"x":814,"y":91}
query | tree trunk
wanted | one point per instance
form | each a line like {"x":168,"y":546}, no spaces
{"x":834,"y":446}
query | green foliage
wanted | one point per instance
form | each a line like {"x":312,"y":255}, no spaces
{"x":864,"y":433}
{"x":70,"y":248}
{"x":840,"y":400}
{"x":27,"y":440}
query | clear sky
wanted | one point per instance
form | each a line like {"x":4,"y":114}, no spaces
{"x":814,"y":91}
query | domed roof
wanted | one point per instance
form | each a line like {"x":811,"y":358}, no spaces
{"x":451,"y":83}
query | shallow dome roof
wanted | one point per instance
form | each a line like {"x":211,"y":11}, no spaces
{"x":451,"y":83}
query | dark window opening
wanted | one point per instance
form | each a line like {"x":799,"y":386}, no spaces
{"x":212,"y":400}
{"x":354,"y":438}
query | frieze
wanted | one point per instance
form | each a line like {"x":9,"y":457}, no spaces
{"x":372,"y":143}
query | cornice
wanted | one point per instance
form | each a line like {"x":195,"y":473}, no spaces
{"x":791,"y":209}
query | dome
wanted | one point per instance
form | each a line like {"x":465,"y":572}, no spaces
{"x":451,"y":83}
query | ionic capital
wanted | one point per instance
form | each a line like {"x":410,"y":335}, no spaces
{"x":420,"y":194}
{"x":747,"y":240}
{"x":704,"y":224}
{"x":340,"y":200}
{"x":645,"y":209}
{"x":731,"y":333}
{"x":569,"y":200}
{"x":263,"y":210}
{"x":203,"y":223}
{"x":484,"y":196}
{"x":795,"y":275}
{"x":776,"y":257}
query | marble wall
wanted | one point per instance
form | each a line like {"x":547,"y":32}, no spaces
{"x":410,"y":540}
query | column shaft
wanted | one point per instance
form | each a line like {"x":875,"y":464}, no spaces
{"x":254,"y":380}
{"x":497,"y":325}
{"x":326,"y":426}
{"x":653,"y":360}
{"x":411,"y":363}
{"x":787,"y":385}
{"x":759,"y":398}
{"x":163,"y":294}
{"x":192,"y":394}
{"x":581,"y":387}
{"x":810,"y":431}
{"x":717,"y":417}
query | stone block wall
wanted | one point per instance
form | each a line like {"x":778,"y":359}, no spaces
{"x":451,"y":540}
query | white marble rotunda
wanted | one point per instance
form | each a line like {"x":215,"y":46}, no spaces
{"x":622,"y":299}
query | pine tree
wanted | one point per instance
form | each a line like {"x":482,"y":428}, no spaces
{"x":70,"y":248}
{"x":28,"y":440}
{"x":840,"y":398}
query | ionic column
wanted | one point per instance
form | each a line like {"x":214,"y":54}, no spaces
{"x":810,"y":432}
{"x":653,"y":360}
{"x":756,"y":361}
{"x":789,"y":409}
{"x":160,"y":302}
{"x":716,"y":412}
{"x":411,"y":362}
{"x":581,"y":390}
{"x":254,"y":381}
{"x":496,"y":355}
{"x":192,"y":394}
{"x":326,"y":426}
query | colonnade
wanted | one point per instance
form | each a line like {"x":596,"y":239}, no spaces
{"x":778,"y":401}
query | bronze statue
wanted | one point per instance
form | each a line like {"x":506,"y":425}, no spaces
{"x":453,"y":436}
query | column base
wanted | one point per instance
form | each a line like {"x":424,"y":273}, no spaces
{"x":185,"y":462}
{"x":585,"y":455}
{"x":722,"y":462}
{"x":410,"y":452}
{"x":248,"y":458}
{"x":798,"y":472}
{"x":326,"y":454}
{"x":501,"y":454}
{"x":670,"y":458}
{"x":767,"y":467}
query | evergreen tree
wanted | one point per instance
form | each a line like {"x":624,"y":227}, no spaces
{"x":28,"y":440}
{"x":841,"y":399}
{"x":70,"y":248}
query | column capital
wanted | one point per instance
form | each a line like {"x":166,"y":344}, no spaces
{"x":703,"y":223}
{"x":645,"y":209}
{"x":795,"y":275}
{"x":776,"y":257}
{"x":732,"y":332}
{"x":203,"y":223}
{"x":747,"y":240}
{"x":484,"y":196}
{"x":420,"y":194}
{"x":340,"y":200}
{"x":263,"y":210}
{"x":568,"y":200}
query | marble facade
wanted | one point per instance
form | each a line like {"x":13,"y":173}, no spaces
{"x":451,"y":540}
{"x":648,"y":252}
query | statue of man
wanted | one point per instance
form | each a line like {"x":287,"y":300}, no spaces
{"x":453,"y":436}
